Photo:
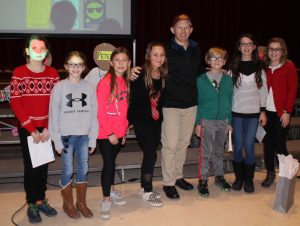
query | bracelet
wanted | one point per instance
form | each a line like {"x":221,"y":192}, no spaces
{"x":284,"y":111}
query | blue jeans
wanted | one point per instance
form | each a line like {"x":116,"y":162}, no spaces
{"x":74,"y":145}
{"x":244,"y":132}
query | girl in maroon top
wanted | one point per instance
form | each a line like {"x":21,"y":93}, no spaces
{"x":112,"y":95}
{"x":31,"y":85}
{"x":282,"y":82}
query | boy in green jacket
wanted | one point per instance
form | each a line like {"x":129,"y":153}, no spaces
{"x":213,"y":118}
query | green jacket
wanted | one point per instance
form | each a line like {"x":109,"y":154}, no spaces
{"x":214,"y":103}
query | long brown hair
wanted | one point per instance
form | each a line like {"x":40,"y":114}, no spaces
{"x":237,"y":58}
{"x":163,"y":69}
{"x":111,"y":71}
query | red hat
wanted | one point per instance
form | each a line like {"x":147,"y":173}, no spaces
{"x":181,"y":17}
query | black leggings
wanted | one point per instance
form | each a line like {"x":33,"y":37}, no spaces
{"x":148,"y":135}
{"x":35,"y":179}
{"x":109,"y":154}
{"x":275,"y":140}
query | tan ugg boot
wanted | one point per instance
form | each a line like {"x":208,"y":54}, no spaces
{"x":68,"y":204}
{"x":81,"y":200}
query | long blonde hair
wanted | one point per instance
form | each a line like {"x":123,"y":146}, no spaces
{"x":163,"y":69}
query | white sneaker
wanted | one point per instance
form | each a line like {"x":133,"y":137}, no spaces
{"x":105,"y":210}
{"x":152,"y":199}
{"x":117,"y":198}
{"x":157,"y":195}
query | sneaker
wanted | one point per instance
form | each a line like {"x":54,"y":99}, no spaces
{"x":33,"y":213}
{"x":203,"y":188}
{"x":152,"y":199}
{"x":117,"y":198}
{"x":222,"y":183}
{"x":155,"y":193}
{"x":46,"y":209}
{"x":105,"y":210}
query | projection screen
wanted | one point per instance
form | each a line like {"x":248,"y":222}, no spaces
{"x":61,"y":17}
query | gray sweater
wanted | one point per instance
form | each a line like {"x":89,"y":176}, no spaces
{"x":73,"y":111}
{"x":247,"y":98}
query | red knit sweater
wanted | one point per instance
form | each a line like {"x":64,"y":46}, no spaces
{"x":30,"y":96}
{"x":284,"y":82}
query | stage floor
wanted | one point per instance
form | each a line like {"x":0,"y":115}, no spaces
{"x":221,"y":208}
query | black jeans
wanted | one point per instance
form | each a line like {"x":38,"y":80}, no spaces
{"x":148,"y":135}
{"x":35,"y":179}
{"x":275,"y":140}
{"x":109,"y":154}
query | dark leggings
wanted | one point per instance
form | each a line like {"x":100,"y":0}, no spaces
{"x":275,"y":140}
{"x":109,"y":154}
{"x":35,"y":179}
{"x":148,"y":135}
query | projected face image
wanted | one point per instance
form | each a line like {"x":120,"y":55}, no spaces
{"x":37,"y":50}
{"x":94,"y":10}
{"x":38,"y":13}
{"x":38,"y":10}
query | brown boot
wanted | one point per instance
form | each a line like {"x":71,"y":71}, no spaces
{"x":81,"y":200}
{"x":68,"y":206}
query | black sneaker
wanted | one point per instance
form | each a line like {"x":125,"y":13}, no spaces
{"x":202,"y":188}
{"x":222,"y":183}
{"x":46,"y":209}
{"x":33,"y":213}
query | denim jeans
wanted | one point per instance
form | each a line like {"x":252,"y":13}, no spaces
{"x":244,"y":132}
{"x":74,"y":145}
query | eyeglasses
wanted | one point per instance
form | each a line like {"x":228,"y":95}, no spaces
{"x":215,"y":84}
{"x":244,"y":44}
{"x":73,"y":65}
{"x":220,"y":59}
{"x":276,"y":50}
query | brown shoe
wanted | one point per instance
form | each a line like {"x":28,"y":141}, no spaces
{"x":68,"y":204}
{"x":81,"y":200}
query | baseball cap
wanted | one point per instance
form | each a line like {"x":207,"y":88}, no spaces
{"x":181,"y":17}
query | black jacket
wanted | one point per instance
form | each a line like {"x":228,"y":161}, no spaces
{"x":139,"y":104}
{"x":184,"y":66}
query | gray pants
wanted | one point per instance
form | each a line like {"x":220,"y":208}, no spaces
{"x":213,"y":137}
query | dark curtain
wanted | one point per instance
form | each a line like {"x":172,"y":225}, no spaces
{"x":215,"y":22}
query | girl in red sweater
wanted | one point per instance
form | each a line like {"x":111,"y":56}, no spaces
{"x":112,"y":95}
{"x":31,"y":85}
{"x":282,"y":82}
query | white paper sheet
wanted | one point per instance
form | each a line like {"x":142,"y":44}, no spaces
{"x":40,"y":153}
{"x":260,"y":133}
{"x":230,"y":149}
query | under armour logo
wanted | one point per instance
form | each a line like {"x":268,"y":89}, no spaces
{"x":82,"y":99}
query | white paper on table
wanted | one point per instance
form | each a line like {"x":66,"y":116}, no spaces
{"x":40,"y":153}
{"x":260,"y":133}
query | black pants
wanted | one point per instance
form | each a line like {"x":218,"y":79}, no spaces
{"x":35,"y":179}
{"x":275,"y":140}
{"x":148,"y":135}
{"x":109,"y":154}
